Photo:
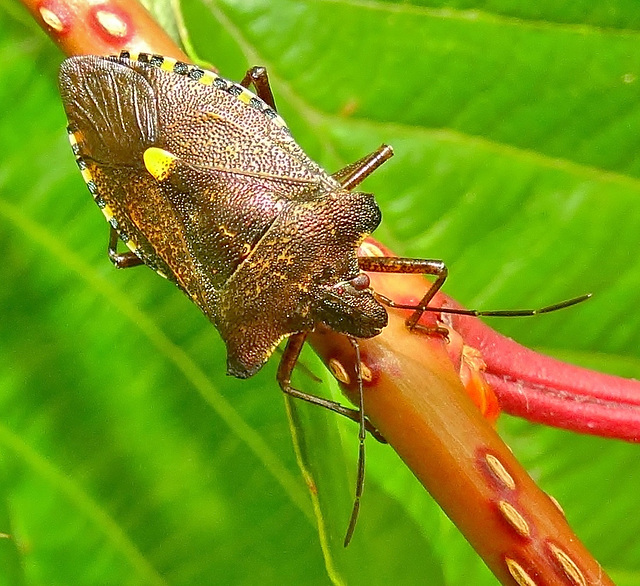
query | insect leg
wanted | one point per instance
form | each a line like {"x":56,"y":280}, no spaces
{"x":285,"y":369}
{"x":392,"y":264}
{"x":355,"y":173}
{"x":257,"y":76}
{"x":122,"y":260}
{"x":384,"y":264}
{"x":361,"y":437}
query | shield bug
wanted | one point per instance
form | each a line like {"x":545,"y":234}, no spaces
{"x":203,"y":182}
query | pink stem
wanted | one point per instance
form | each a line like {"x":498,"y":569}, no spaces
{"x":549,"y":391}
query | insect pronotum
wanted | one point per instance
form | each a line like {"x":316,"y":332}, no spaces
{"x":203,"y":182}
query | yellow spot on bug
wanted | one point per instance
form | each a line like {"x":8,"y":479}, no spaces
{"x":518,"y":573}
{"x":245,"y":97}
{"x":74,"y":138}
{"x":108,"y":213}
{"x":227,"y":233}
{"x":569,"y":567}
{"x":500,"y":472}
{"x":86,"y":175}
{"x":514,"y":518}
{"x":51,"y":19}
{"x":231,"y":149}
{"x":112,"y":23}
{"x":159,"y":162}
{"x":132,"y":246}
{"x":168,"y":64}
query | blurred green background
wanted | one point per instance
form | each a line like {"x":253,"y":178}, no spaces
{"x":126,"y":454}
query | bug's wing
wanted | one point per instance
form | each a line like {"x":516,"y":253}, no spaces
{"x":216,"y":194}
{"x":230,"y":132}
{"x":113,"y":107}
{"x":235,"y":166}
{"x":113,"y":120}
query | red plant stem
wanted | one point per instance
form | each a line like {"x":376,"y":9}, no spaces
{"x":415,"y":398}
{"x":549,"y":391}
{"x":529,"y":384}
{"x":103,"y":28}
{"x":413,"y":394}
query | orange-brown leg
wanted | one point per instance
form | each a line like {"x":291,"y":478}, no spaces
{"x":122,"y":260}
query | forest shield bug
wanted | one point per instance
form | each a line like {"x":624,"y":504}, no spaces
{"x":202,"y":181}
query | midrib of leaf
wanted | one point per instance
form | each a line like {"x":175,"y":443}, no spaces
{"x":307,"y":474}
{"x":321,"y":121}
{"x":83,"y":501}
{"x":172,"y":353}
{"x":456,"y":137}
{"x":478,"y":16}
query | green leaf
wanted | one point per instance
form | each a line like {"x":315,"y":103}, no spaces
{"x":128,"y":457}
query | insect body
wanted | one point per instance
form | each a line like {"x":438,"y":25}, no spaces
{"x":202,"y":181}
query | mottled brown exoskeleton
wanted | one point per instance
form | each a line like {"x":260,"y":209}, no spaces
{"x":202,"y":181}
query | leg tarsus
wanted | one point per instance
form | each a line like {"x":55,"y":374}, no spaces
{"x":429,"y":330}
{"x":258,"y":78}
{"x":432,"y":331}
{"x":285,"y":369}
{"x":393,"y":264}
{"x":122,"y":260}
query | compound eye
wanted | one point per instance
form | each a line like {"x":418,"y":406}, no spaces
{"x":361,"y":282}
